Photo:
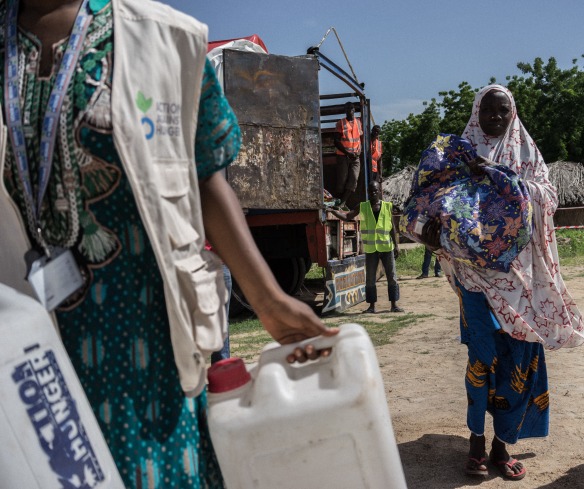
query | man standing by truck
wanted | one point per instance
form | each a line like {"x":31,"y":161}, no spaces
{"x":376,"y":153}
{"x":348,"y":143}
{"x":379,"y":243}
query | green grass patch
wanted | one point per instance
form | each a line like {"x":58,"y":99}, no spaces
{"x":570,"y":246}
{"x":381,"y":332}
{"x":315,"y":273}
{"x":409,"y":261}
{"x":247,"y":336}
{"x":248,"y":346}
{"x":242,"y":325}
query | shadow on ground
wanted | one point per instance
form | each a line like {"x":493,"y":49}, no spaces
{"x":573,"y":479}
{"x":437,"y":462}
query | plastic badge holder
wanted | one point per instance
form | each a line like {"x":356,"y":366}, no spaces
{"x":419,"y":226}
{"x":49,"y":436}
{"x":319,"y":425}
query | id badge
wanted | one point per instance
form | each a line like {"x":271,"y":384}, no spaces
{"x":419,"y":226}
{"x":55,"y":279}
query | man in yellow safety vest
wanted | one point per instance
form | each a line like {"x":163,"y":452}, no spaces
{"x":379,"y":243}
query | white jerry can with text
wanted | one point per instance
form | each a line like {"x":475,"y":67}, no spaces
{"x":324,"y":424}
{"x":49,"y":437}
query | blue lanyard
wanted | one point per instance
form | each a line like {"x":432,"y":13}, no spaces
{"x":51,"y":119}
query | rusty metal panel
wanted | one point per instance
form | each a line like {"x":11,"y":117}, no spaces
{"x":276,"y":100}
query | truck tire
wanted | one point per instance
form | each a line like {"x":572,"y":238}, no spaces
{"x":289,"y":273}
{"x":238,"y":303}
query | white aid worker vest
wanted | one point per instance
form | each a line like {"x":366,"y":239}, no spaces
{"x":159,"y":57}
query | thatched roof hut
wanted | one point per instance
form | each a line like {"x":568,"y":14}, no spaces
{"x":568,"y":178}
{"x":396,"y":188}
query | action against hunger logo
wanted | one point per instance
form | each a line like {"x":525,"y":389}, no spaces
{"x":52,"y":410}
{"x":167,"y":121}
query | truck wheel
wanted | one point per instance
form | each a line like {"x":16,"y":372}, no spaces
{"x":238,"y":303}
{"x":289,"y":273}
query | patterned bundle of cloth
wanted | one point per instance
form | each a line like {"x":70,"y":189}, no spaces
{"x":486,"y":219}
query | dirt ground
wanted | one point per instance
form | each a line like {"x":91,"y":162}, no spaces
{"x":424,"y":370}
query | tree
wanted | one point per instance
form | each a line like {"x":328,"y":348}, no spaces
{"x":404,"y":141}
{"x":550,"y":103}
{"x":456,"y":107}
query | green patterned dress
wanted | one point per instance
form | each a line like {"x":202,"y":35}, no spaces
{"x":116,"y":330}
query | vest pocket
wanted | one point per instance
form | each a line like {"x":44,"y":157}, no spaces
{"x":203,"y":289}
{"x":175,"y":184}
{"x":173,"y":177}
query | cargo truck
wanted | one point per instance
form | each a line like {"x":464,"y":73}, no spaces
{"x":285,"y":172}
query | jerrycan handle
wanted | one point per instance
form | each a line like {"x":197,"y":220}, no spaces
{"x":274,"y":352}
{"x":274,"y":376}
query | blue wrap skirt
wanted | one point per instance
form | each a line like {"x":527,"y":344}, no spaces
{"x":505,"y":377}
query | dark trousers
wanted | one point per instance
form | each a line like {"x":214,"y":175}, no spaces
{"x":427,"y":261}
{"x":347,"y":174}
{"x":388,"y":262}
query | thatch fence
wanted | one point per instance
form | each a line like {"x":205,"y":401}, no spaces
{"x":568,"y":178}
{"x":396,"y":188}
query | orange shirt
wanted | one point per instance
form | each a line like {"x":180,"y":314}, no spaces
{"x":351,"y":133}
{"x":375,"y":154}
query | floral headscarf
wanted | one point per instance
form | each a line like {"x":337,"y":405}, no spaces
{"x":530,"y":301}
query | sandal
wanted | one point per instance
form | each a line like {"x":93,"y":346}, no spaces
{"x":396,"y":309}
{"x":506,"y":469}
{"x":476,"y":466}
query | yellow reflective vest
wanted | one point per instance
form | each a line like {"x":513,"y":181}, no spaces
{"x":376,"y":235}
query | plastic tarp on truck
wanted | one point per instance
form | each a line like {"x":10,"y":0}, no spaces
{"x":215,"y":50}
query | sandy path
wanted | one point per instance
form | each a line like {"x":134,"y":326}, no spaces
{"x":424,"y":369}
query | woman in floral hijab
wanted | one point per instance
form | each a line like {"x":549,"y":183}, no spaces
{"x":508,"y":318}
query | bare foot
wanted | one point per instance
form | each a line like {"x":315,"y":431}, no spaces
{"x":477,"y":457}
{"x":509,"y":467}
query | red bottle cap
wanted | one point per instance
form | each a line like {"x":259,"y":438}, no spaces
{"x":226,"y":375}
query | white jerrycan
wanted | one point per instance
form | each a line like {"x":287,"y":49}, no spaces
{"x":324,"y":424}
{"x":49,"y":437}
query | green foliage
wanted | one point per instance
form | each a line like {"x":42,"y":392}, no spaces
{"x":403,"y":141}
{"x":456,"y":107}
{"x":550,"y":103}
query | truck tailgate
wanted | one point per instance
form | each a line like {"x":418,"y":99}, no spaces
{"x":276,"y":100}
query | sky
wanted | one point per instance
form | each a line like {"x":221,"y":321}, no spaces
{"x":406,"y":51}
